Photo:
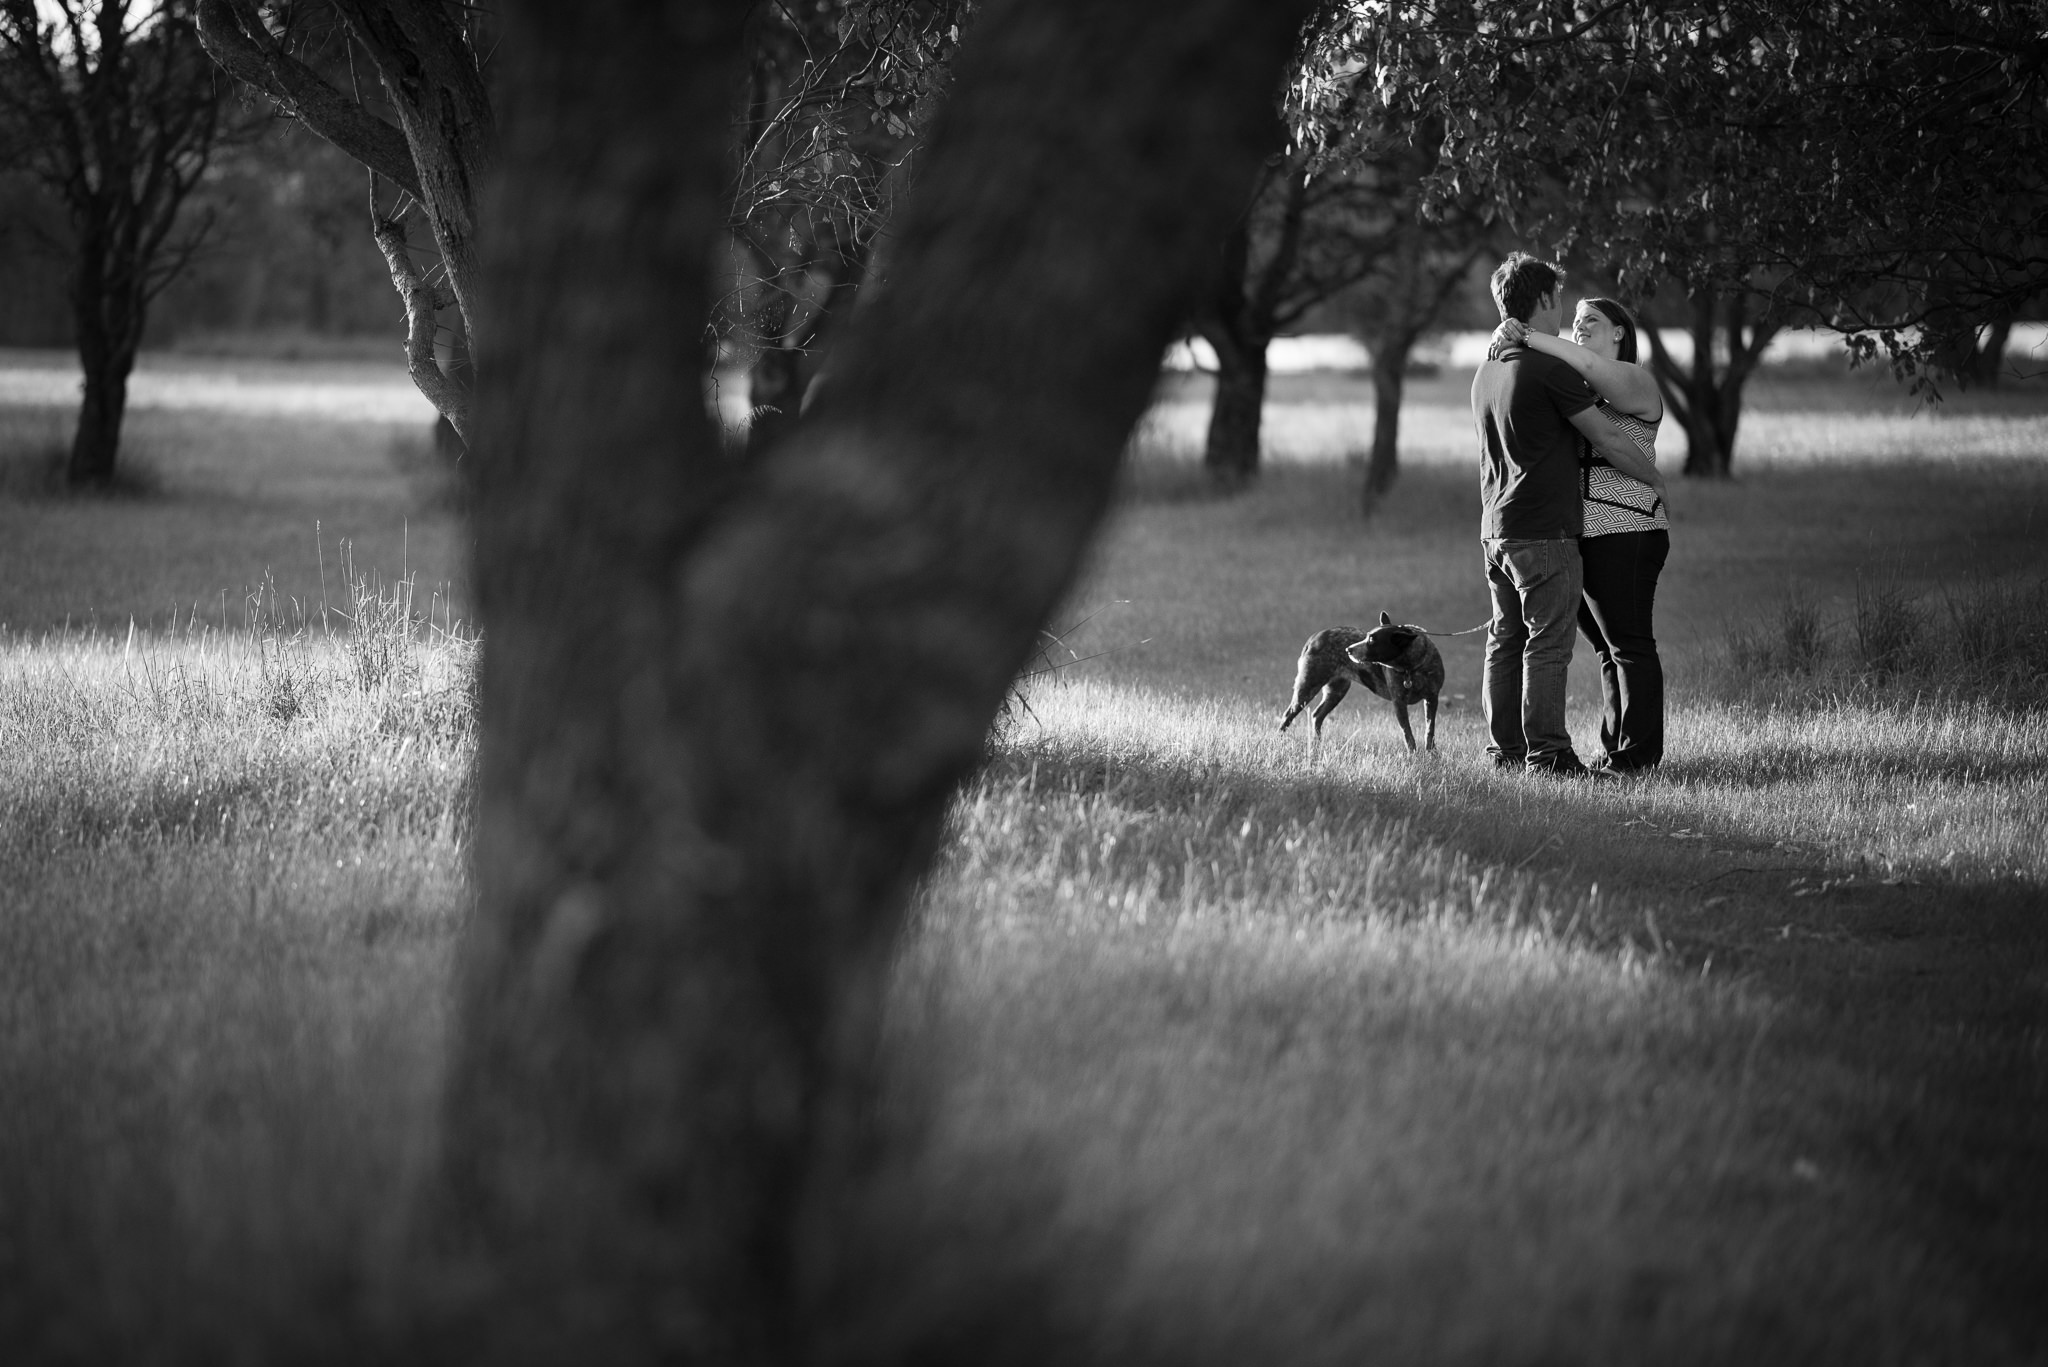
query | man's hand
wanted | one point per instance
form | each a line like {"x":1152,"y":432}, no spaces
{"x":1509,"y":334}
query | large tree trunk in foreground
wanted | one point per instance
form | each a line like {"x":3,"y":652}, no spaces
{"x":723,"y":710}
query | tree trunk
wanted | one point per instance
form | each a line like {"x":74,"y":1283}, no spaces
{"x":105,"y":316}
{"x":1705,"y":398}
{"x":1987,"y":363}
{"x":96,"y":446}
{"x":1231,"y":453}
{"x":1389,"y":364}
{"x":775,"y":394}
{"x":440,"y":152}
{"x":1707,"y":455}
{"x":691,"y":858}
{"x":795,"y":333}
{"x":1241,"y":319}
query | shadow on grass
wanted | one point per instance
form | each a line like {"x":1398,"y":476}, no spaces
{"x":1935,"y":994}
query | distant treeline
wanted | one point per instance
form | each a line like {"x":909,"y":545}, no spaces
{"x":289,"y":251}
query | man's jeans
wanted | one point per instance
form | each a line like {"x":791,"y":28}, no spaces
{"x":1535,"y":587}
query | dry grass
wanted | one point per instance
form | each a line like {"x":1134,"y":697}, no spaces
{"x":1201,"y":1054}
{"x":224,"y":935}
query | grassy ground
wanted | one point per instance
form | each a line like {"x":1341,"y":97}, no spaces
{"x":233,"y":475}
{"x":1203,"y":1054}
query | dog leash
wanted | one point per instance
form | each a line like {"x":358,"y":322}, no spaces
{"x":1466,"y":632}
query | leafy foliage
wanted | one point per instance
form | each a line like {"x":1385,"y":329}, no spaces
{"x":1871,"y":167}
{"x":836,"y":97}
{"x":1343,"y":210}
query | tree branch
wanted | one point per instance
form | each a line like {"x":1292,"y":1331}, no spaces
{"x":450,"y":399}
{"x":234,"y":36}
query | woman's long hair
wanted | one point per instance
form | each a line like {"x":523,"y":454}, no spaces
{"x":1625,"y":345}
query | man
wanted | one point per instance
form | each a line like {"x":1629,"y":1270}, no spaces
{"x":1531,"y":410}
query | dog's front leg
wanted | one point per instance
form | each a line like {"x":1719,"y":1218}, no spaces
{"x":1429,"y":706}
{"x":1401,"y":715}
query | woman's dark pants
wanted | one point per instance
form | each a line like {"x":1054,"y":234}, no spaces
{"x":1614,"y":616}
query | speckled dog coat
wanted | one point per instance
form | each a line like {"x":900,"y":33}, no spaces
{"x":1399,"y":663}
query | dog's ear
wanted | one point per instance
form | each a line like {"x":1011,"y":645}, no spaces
{"x":1385,"y":620}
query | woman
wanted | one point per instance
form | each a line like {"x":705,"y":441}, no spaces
{"x":1627,"y":536}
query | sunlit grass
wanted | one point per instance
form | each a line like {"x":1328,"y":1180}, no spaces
{"x":225,"y":933}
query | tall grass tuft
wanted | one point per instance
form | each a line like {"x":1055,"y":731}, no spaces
{"x":1986,"y":642}
{"x":1995,"y":629}
{"x":1796,"y":643}
{"x":1887,"y":623}
{"x":1801,"y":634}
{"x":380,"y":643}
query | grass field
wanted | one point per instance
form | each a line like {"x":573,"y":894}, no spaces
{"x":1206,"y":1054}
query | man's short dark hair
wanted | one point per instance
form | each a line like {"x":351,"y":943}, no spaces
{"x":1521,"y":284}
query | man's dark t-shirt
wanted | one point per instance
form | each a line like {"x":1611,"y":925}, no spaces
{"x":1528,"y":448}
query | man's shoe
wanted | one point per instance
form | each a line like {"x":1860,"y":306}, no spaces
{"x":1512,"y":764}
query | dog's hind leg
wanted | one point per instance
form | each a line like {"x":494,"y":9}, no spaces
{"x":1333,"y":694}
{"x":1429,"y":703}
{"x":1401,"y":715}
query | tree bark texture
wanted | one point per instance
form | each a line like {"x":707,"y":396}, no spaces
{"x":725,"y":706}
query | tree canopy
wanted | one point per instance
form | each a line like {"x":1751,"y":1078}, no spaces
{"x":1876,"y":165}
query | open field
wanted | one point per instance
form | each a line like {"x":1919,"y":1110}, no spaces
{"x":233,"y":473}
{"x":1202,"y":1054}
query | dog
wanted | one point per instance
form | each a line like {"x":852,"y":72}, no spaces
{"x":1399,"y":663}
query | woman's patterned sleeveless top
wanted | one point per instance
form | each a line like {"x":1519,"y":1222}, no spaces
{"x":1616,"y":502}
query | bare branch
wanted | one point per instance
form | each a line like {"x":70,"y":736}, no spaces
{"x":450,"y":399}
{"x":234,"y":36}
